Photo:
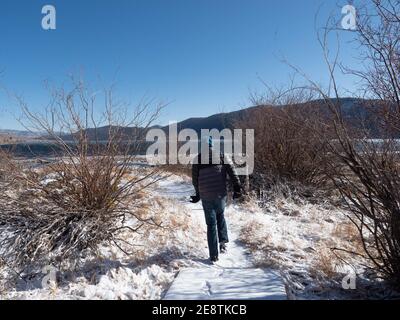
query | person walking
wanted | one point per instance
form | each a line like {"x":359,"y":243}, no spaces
{"x":210,"y":183}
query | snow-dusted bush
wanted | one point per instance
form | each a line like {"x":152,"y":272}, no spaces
{"x":288,"y":140}
{"x":157,"y":253}
{"x":366,"y":172}
{"x":89,"y":190}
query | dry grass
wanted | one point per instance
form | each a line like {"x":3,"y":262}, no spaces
{"x":259,"y":243}
{"x":324,"y":264}
{"x":347,"y":244}
{"x":348,"y":232}
{"x":248,"y":235}
{"x":300,"y":237}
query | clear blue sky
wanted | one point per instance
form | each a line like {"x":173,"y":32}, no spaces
{"x":203,"y":56}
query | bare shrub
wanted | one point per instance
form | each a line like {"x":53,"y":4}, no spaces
{"x":369,"y":181}
{"x":88,"y":193}
{"x":288,"y":149}
{"x":366,"y":172}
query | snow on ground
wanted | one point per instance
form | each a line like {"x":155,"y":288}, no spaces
{"x":221,"y":283}
{"x":149,"y":272}
{"x":297,"y":238}
{"x":233,"y":276}
{"x":146,"y":274}
{"x":238,"y":256}
{"x":288,"y":236}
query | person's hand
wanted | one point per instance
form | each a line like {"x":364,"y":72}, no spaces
{"x":237,"y":195}
{"x":195,"y":199}
{"x":237,"y":192}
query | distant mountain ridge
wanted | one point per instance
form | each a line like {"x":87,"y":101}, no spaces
{"x":357,"y":112}
{"x":20,"y":133}
{"x":354,"y":111}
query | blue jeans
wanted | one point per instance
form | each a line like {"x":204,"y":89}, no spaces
{"x":216,"y":224}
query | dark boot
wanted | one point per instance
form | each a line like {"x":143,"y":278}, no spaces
{"x":222,"y":247}
{"x":214,"y":260}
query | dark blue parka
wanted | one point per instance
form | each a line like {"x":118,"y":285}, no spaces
{"x":210,"y":180}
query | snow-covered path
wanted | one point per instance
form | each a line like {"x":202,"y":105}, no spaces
{"x":233,"y":277}
{"x":226,"y":284}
